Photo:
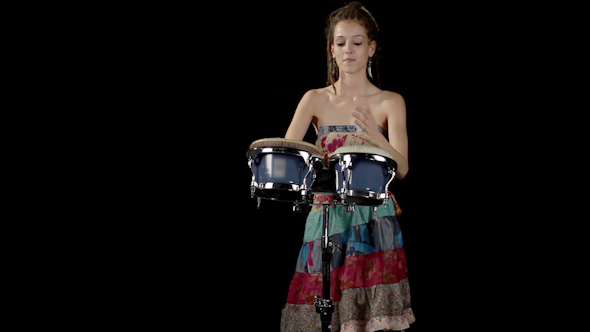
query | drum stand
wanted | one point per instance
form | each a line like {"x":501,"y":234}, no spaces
{"x":324,"y":306}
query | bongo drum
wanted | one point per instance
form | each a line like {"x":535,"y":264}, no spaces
{"x":282,"y":169}
{"x":363,"y":174}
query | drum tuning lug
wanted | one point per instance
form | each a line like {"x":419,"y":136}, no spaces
{"x":297,"y":208}
{"x":375,"y":208}
{"x":334,"y":247}
{"x":259,"y":201}
{"x":350,"y":208}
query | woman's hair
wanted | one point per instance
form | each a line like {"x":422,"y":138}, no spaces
{"x":352,"y":11}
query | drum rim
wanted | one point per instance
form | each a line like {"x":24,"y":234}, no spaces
{"x":362,"y":149}
{"x":351,"y":195}
{"x":276,"y":191}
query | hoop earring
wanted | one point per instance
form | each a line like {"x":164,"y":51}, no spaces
{"x":370,"y":62}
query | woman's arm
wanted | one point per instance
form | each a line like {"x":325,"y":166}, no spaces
{"x":398,"y":135}
{"x":303,"y":116}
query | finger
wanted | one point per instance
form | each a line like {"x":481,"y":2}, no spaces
{"x":360,"y":123}
{"x":366,"y":110}
{"x":368,"y":123}
{"x":365,"y":137}
{"x":361,"y":111}
{"x":368,"y":113}
{"x":361,"y":120}
{"x":359,"y":117}
{"x":367,"y":120}
{"x":363,"y":125}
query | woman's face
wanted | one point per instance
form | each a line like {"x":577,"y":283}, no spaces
{"x":352,"y":47}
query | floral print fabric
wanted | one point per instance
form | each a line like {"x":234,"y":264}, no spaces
{"x":331,"y":138}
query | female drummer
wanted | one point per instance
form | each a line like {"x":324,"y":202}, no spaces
{"x":369,"y":277}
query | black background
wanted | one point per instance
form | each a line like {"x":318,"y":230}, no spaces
{"x":218,"y":77}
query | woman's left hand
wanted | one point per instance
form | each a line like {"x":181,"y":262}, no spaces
{"x":371,"y":134}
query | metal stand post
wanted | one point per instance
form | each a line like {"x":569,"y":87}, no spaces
{"x":324,"y":305}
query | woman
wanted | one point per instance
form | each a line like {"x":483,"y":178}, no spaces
{"x":369,"y":279}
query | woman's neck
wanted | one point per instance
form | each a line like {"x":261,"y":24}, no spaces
{"x":353,"y":85}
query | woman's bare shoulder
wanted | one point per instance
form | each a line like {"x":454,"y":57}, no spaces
{"x":315,"y":97}
{"x":319,"y":94}
{"x":391,"y":96}
{"x":392,"y":101}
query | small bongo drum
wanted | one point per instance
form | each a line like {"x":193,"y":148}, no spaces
{"x":363,"y":174}
{"x":282,"y":169}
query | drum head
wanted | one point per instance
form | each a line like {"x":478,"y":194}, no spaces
{"x":286,"y":143}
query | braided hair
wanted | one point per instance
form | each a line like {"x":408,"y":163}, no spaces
{"x":352,"y":11}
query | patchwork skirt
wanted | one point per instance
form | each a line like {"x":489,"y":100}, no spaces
{"x":369,"y":274}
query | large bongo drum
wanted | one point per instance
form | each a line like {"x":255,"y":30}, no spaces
{"x":282,"y":169}
{"x":363,"y":174}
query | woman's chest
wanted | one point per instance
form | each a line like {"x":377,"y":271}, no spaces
{"x":339,"y":112}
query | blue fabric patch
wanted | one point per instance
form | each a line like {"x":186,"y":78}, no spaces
{"x":380,"y":234}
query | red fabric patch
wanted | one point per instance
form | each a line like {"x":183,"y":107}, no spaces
{"x":382,"y":267}
{"x":336,"y":143}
